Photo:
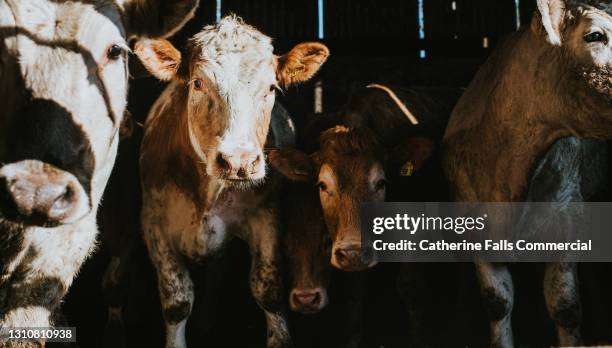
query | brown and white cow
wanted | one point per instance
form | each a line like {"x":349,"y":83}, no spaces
{"x":63,"y":86}
{"x":203,"y":164}
{"x":548,"y":81}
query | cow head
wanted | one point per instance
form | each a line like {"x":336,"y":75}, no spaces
{"x":231,"y":74}
{"x":63,"y":86}
{"x":348,"y":169}
{"x":307,"y":246}
{"x":583,"y":31}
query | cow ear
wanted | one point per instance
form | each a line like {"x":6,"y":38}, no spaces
{"x":301,"y":63}
{"x":552,"y":13}
{"x":412,"y":153}
{"x":293,"y":164}
{"x":157,"y":18}
{"x":159,"y":57}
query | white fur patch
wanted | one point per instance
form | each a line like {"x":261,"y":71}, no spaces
{"x":240,"y":62}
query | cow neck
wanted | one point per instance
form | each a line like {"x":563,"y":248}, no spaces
{"x":510,"y":116}
{"x":167,"y":155}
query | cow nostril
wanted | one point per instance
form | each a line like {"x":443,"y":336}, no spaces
{"x":28,"y":201}
{"x":317,"y":299}
{"x":256,"y":161}
{"x":64,"y":200}
{"x":222,"y":162}
{"x":7,"y":203}
{"x":367,"y":253}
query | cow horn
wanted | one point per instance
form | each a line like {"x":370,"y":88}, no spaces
{"x":397,"y":101}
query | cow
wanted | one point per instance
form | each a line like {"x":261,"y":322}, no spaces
{"x":549,"y":81}
{"x":63,"y":86}
{"x":306,"y":244}
{"x":202,"y":161}
{"x":380,"y":135}
{"x":350,"y":164}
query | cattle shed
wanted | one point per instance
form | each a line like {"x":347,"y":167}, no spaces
{"x":391,"y":42}
{"x":428,"y":42}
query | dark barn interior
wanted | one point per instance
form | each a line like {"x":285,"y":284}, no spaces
{"x":394,"y":42}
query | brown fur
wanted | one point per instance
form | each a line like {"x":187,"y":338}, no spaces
{"x":343,"y":168}
{"x":536,"y":88}
{"x":198,"y":191}
{"x":302,"y":61}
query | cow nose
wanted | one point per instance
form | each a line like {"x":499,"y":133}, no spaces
{"x":40,"y":195}
{"x":307,"y":301}
{"x":239,"y":166}
{"x":348,"y":258}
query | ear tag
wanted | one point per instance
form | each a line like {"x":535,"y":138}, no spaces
{"x":298,"y":70}
{"x":407,"y":169}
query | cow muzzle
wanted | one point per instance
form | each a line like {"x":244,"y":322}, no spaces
{"x":38,"y":194}
{"x":308,"y":301}
{"x":351,"y":257}
{"x":240,"y":165}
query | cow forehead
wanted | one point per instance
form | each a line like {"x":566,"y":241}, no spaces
{"x":603,"y":5}
{"x":66,"y":38}
{"x":235,"y":55}
{"x":87,"y":25}
{"x":351,"y":170}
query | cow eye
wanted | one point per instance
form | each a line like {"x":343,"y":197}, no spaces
{"x":114,"y":52}
{"x":322,"y":186}
{"x":596,"y":36}
{"x":380,"y":185}
{"x":272,"y":88}
{"x":198,"y":84}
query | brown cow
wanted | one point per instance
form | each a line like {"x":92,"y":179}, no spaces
{"x":349,"y":164}
{"x":348,"y":170}
{"x":203,"y":166}
{"x":307,"y":246}
{"x":547,"y":81}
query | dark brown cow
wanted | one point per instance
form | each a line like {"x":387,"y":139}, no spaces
{"x":307,"y":246}
{"x":549,"y":81}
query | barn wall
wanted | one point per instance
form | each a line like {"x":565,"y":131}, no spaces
{"x":378,"y":40}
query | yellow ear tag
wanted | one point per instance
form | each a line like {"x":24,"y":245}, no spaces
{"x":407,"y":169}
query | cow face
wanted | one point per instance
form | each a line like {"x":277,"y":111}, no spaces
{"x":349,"y":169}
{"x":63,"y":83}
{"x":232,"y":75}
{"x":584,"y":30}
{"x":307,"y":245}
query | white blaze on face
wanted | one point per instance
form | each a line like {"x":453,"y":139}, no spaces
{"x":244,"y":81}
{"x":239,"y":62}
